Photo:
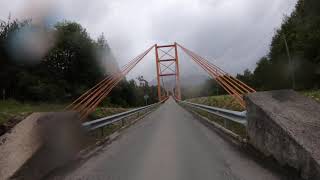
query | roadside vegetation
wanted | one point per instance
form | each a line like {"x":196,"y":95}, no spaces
{"x":104,"y":111}
{"x":16,"y":111}
{"x":12,"y":111}
{"x":228,"y":102}
{"x":301,"y":72}
{"x":314,"y":94}
{"x":49,"y":78}
{"x":222,"y":101}
{"x":300,"y":31}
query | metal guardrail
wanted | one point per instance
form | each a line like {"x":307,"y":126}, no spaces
{"x":98,"y":123}
{"x":235,"y":116}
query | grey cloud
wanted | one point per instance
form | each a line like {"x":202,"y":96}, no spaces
{"x":233,"y":34}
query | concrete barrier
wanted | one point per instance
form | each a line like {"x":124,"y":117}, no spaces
{"x":38,"y":144}
{"x":286,"y":126}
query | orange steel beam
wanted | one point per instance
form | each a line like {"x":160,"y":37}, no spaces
{"x":178,"y":89}
{"x":169,"y":74}
{"x":167,"y":60}
{"x":165,"y":46}
{"x":158,"y":72}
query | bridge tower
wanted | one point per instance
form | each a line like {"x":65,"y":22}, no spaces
{"x":167,"y":65}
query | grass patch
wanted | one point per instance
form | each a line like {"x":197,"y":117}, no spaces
{"x":103,"y":112}
{"x":228,"y":102}
{"x":13,"y":109}
{"x":10,"y":109}
{"x":314,"y":94}
{"x":223,"y":101}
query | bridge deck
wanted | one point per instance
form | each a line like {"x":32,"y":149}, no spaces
{"x":170,"y":144}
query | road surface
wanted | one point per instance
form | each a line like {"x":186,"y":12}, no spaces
{"x":170,"y":144}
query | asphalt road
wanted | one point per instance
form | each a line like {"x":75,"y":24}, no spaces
{"x":170,"y":144}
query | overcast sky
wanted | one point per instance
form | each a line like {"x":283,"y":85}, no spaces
{"x":233,"y":34}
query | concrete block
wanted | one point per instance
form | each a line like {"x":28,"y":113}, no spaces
{"x":38,"y":144}
{"x":286,"y":125}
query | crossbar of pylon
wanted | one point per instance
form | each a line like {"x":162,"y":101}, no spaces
{"x":87,"y":102}
{"x":232,"y":85}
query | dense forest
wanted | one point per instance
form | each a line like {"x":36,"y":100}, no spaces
{"x":293,"y":61}
{"x":296,"y":66}
{"x":58,"y":63}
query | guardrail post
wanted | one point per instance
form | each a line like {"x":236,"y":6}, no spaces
{"x":225,"y":123}
{"x":102,"y":131}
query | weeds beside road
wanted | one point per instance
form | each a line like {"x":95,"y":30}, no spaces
{"x":12,"y":112}
{"x":228,"y":102}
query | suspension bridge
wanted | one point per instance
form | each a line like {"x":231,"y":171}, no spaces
{"x":170,"y":143}
{"x":172,"y":139}
{"x":166,"y":58}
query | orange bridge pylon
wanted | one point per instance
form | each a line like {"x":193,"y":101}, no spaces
{"x":167,"y":65}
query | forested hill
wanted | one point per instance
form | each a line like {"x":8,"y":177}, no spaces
{"x":58,"y":63}
{"x":301,"y":30}
{"x":50,"y":63}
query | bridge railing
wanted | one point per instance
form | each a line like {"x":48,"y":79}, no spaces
{"x":230,"y":122}
{"x":99,"y":123}
{"x":235,"y":116}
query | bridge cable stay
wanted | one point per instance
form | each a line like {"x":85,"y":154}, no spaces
{"x":213,"y":75}
{"x":87,"y":102}
{"x":78,"y":102}
{"x":93,"y":99}
{"x":223,"y":76}
{"x":232,"y":85}
{"x":91,"y":92}
{"x":84,"y":99}
{"x":218,"y":78}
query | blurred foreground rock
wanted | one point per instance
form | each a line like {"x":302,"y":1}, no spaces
{"x":38,"y":144}
{"x":286,"y":125}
